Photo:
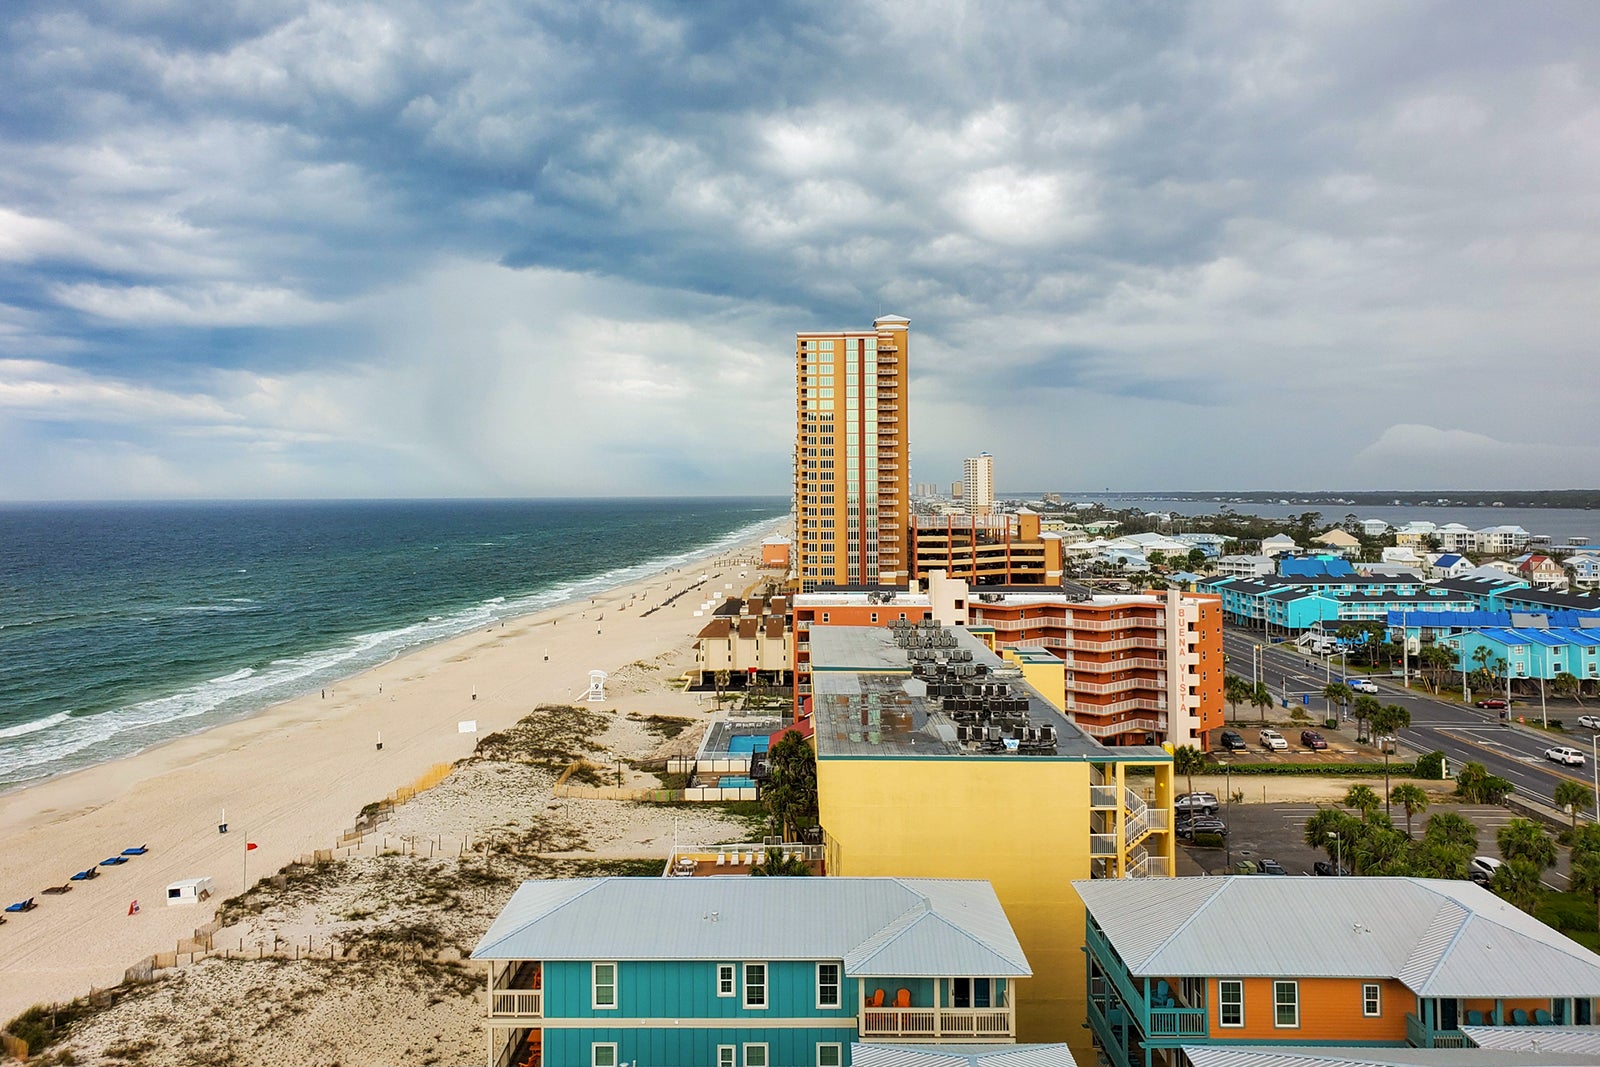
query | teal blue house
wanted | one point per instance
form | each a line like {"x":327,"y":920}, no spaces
{"x":744,"y":972}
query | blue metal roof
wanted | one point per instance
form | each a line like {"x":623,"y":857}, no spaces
{"x":1479,"y":619}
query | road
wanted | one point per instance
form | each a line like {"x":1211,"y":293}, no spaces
{"x":1462,"y":733}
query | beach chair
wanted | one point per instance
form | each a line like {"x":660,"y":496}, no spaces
{"x":57,"y":890}
{"x":1541,"y":1017}
{"x":722,"y":859}
{"x":902,"y":998}
{"x":876,"y":1000}
{"x":84,"y":876}
{"x":22,"y":905}
{"x":1474,"y":1018}
{"x":113,"y":861}
{"x":139,"y":851}
{"x":1519,"y":1017}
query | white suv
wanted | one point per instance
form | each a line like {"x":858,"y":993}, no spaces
{"x":1570,"y":756}
{"x":1363,"y":685}
{"x":1274,"y":740}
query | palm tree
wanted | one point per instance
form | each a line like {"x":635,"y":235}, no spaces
{"x":1338,"y":693}
{"x":789,"y":790}
{"x":1362,"y":798}
{"x":1524,"y":839}
{"x":1387,"y":720}
{"x":1186,"y":759}
{"x":780,"y":864}
{"x":1453,"y":829}
{"x":1567,"y":683}
{"x":1411,"y":799}
{"x":1325,"y":824}
{"x":1586,"y":875}
{"x":1519,"y":882}
{"x":1572,"y":796}
{"x":1363,"y":707}
{"x":1261,"y":697}
{"x":1235,"y":690}
{"x":1434,"y":661}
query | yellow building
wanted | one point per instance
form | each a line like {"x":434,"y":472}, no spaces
{"x":852,"y":488}
{"x":937,"y":758}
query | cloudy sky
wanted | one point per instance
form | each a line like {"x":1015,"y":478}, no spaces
{"x":270,"y":248}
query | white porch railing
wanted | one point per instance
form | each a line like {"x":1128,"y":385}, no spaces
{"x":993,"y":1023}
{"x":519,"y":1003}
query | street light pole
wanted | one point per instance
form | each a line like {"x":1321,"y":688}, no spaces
{"x":1227,"y":801}
{"x":1594,"y":748}
{"x":1338,"y":851}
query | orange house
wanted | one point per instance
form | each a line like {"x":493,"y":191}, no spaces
{"x":1181,"y":963}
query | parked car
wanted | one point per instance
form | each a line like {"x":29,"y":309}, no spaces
{"x":1274,"y":740}
{"x":1202,"y":824}
{"x":1312,"y":740}
{"x":1269,"y":867}
{"x":1481,"y":869}
{"x":1231,"y":741}
{"x":1591,"y":721}
{"x":1493,"y":703}
{"x":1195,"y":804}
{"x":1326,"y":869}
{"x":1570,"y":756}
{"x":1364,"y":685}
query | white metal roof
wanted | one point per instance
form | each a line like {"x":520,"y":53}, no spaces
{"x":1441,"y":938}
{"x":864,"y":1055}
{"x":1568,"y":1039}
{"x":1352,"y":1056}
{"x":891,"y":927}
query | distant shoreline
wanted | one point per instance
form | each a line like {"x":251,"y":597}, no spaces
{"x":1572,"y":499}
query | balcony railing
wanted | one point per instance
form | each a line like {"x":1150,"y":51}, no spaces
{"x":1111,"y":688}
{"x":1116,"y":729}
{"x":1102,"y":796}
{"x":1418,"y":1035}
{"x":1177,"y":1022}
{"x":1102,"y":844}
{"x":1144,"y":865}
{"x":968,"y":1023}
{"x":519,"y":1003}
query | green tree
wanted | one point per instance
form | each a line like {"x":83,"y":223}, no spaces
{"x":1387,"y":721}
{"x":1476,"y":785}
{"x":1186,"y":760}
{"x":1567,"y":684}
{"x":722,"y":679}
{"x":789,"y":790}
{"x":1338,"y":693}
{"x":1411,"y":799}
{"x":1524,"y":839}
{"x":1586,"y":863}
{"x":1363,"y":707}
{"x":780,"y":864}
{"x":1197,"y":559}
{"x":1435,"y":661}
{"x":1519,"y":882}
{"x":1236,"y":690}
{"x":1453,"y":829}
{"x":1362,"y":798}
{"x":1324,"y":824}
{"x":1261,"y":699}
{"x":1572,"y":796}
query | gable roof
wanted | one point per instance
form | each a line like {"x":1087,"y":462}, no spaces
{"x":1441,"y":938}
{"x":876,"y":1055}
{"x":1352,"y":1056}
{"x":911,"y":927}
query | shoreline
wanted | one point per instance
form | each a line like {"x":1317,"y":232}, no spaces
{"x":294,"y":775}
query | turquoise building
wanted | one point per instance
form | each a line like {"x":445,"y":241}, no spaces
{"x":745,"y":972}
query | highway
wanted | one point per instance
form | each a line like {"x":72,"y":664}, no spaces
{"x":1462,"y":733}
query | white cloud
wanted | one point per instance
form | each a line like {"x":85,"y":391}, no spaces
{"x":224,"y":304}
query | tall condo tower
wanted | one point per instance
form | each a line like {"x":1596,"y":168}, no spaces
{"x":852,"y":486}
{"x":977,"y":484}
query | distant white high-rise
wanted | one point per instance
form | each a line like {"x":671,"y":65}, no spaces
{"x":977,"y":484}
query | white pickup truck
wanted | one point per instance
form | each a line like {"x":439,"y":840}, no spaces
{"x":1274,"y":740}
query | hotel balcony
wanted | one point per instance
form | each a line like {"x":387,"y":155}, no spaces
{"x":1089,"y":666}
{"x":516,"y":990}
{"x":1122,"y":685}
{"x":1126,"y":1012}
{"x":932,"y":1021}
{"x":1127,"y":726}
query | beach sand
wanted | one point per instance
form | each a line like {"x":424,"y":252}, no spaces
{"x":294,"y":777}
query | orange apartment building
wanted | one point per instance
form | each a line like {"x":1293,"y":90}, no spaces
{"x":852,"y":486}
{"x":1138,"y":669}
{"x":1176,"y":966}
{"x":986,"y":549}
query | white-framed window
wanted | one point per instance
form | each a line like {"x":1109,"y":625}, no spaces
{"x":1286,"y":1004}
{"x":1371,"y":999}
{"x":829,"y":1055}
{"x":727,"y":980}
{"x":727,"y":1056}
{"x":755,"y":988}
{"x":1230,"y":1002}
{"x":755,"y":1055}
{"x":827,"y":985}
{"x":605,"y":986}
{"x":603,"y":1055}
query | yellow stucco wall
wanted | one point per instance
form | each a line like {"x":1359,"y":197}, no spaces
{"x":1020,"y":824}
{"x":1044,"y":672}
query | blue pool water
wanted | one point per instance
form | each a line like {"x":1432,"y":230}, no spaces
{"x":746,"y":743}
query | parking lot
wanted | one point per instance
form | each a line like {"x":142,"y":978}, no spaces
{"x":1278,"y":831}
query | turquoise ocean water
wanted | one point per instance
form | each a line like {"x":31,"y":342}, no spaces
{"x":125,"y":625}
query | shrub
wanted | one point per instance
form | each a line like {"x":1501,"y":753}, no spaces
{"x":1318,"y":770}
{"x":1207,"y":840}
{"x":1431,"y":766}
{"x":1330,"y":724}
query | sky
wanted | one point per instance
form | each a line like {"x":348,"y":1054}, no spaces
{"x":280,"y":248}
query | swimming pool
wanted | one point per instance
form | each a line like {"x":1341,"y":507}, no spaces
{"x":744,"y":744}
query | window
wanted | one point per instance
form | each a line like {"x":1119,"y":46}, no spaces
{"x":1286,"y":1004}
{"x":727,"y":1056}
{"x":605,"y":986}
{"x":828,"y":1056}
{"x":827,"y":985}
{"x":727,"y":978}
{"x":1371,"y":999}
{"x":604,"y":1055}
{"x":755,"y":989}
{"x":755,"y":1056}
{"x":1230,"y":1003}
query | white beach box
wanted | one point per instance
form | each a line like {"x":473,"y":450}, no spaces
{"x":189,"y":891}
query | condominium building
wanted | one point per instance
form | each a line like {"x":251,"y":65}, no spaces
{"x":852,"y":491}
{"x":986,"y":550}
{"x":977,"y":485}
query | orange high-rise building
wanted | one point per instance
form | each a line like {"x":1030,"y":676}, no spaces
{"x":852,"y":487}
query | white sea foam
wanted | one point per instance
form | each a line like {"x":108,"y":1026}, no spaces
{"x":23,"y":729}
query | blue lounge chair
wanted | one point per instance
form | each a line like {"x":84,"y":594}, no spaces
{"x":1541,"y":1017}
{"x":1474,"y":1018}
{"x":22,"y":905}
{"x":84,"y":876}
{"x":1519,"y":1017}
{"x":141,"y":850}
{"x":114,"y":861}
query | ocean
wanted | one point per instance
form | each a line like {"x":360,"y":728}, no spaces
{"x":125,"y":625}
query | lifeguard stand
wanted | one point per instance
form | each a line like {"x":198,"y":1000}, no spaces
{"x":597,"y":686}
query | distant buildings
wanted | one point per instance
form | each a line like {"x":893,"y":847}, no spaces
{"x":852,"y":490}
{"x":977,"y":485}
{"x":997,"y":550}
{"x":747,"y":639}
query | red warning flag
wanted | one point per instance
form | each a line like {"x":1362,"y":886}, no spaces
{"x":249,"y":845}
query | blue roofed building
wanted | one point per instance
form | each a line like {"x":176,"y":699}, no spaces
{"x":1531,"y":652}
{"x":1314,"y":567}
{"x":742,"y":972}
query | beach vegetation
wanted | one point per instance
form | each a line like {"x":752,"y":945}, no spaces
{"x":552,"y":736}
{"x":666,"y":727}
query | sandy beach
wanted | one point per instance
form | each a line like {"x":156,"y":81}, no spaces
{"x":293,"y":777}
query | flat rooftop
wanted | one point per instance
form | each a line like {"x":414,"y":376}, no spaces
{"x":866,"y":703}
